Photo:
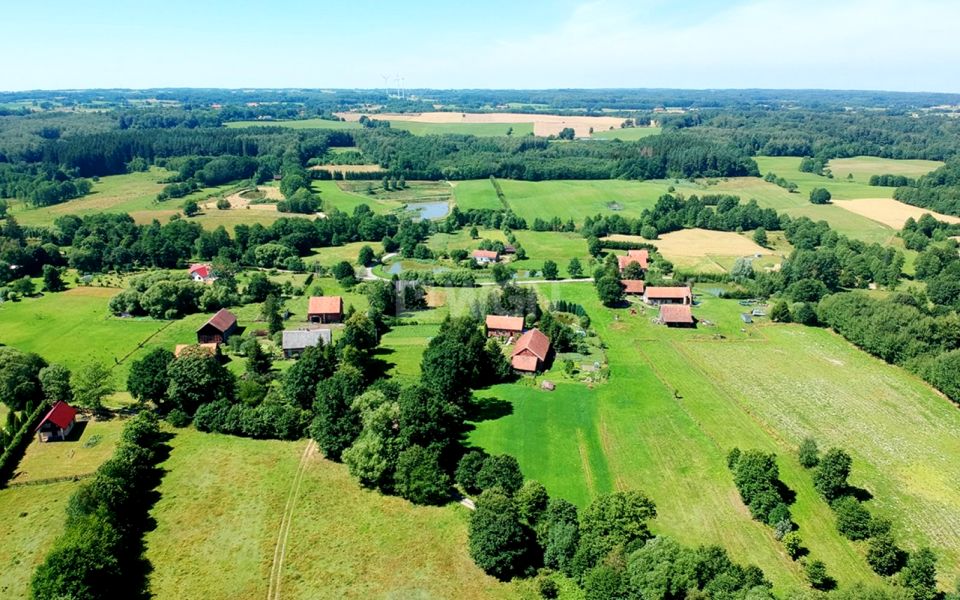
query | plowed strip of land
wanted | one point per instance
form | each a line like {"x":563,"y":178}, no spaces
{"x":892,"y":213}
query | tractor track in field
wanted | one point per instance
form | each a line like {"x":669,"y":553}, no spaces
{"x":280,"y":550}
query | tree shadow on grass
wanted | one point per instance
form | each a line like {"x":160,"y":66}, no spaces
{"x":488,"y":409}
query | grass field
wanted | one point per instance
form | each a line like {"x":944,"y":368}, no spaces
{"x":334,"y":197}
{"x":32,"y":518}
{"x":300,"y":124}
{"x":476,"y":193}
{"x":582,"y":198}
{"x":90,"y":444}
{"x":414,"y":127}
{"x":678,"y":400}
{"x":629,"y":134}
{"x":133,"y":193}
{"x":216,"y":539}
{"x":862,"y":167}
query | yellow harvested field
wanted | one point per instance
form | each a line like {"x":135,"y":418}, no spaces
{"x":695,"y":243}
{"x":239,"y":201}
{"x":543,"y":125}
{"x":891,"y":213}
{"x":347,"y":168}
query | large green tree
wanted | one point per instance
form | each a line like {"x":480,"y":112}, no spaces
{"x":612,"y":520}
{"x":498,"y":541}
{"x":419,"y":476}
{"x":830,"y":478}
{"x":148,"y":379}
{"x":91,"y":384}
{"x":20,"y":377}
{"x":55,"y":381}
{"x":336,"y":424}
{"x":300,"y":381}
{"x":196,"y":377}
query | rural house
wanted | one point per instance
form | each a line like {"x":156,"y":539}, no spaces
{"x":218,"y":329}
{"x":211,"y":349}
{"x":503,"y":327}
{"x":202,"y":273}
{"x":530,"y":352}
{"x":58,"y":423}
{"x":633,"y":287}
{"x":325,"y":309}
{"x":677,"y":315}
{"x":485,"y":257}
{"x":294,"y":342}
{"x":667,"y":295}
{"x":641,"y":257}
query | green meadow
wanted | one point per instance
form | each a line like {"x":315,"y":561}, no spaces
{"x":678,"y":400}
{"x":414,"y":127}
{"x":628,"y":134}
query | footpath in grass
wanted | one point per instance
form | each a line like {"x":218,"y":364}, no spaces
{"x":220,"y":510}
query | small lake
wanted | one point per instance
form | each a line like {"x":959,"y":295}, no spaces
{"x":429,"y":210}
{"x":397,"y":267}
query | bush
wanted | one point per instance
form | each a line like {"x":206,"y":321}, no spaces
{"x":467,"y":470}
{"x":853,"y":520}
{"x":816,"y":574}
{"x":178,"y":418}
{"x":500,"y":471}
{"x":419,"y":478}
{"x":808,"y":454}
{"x":820,"y":196}
{"x":793,"y":544}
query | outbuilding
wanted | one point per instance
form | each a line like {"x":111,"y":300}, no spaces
{"x":218,"y":329}
{"x":504,"y":326}
{"x":530,"y":352}
{"x":294,"y":342}
{"x":57,"y":423}
{"x":633,"y":287}
{"x":325,"y":309}
{"x":667,"y":295}
{"x":677,"y":315}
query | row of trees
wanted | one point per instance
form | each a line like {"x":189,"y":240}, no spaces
{"x":100,"y":553}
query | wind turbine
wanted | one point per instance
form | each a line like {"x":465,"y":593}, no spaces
{"x":386,"y":84}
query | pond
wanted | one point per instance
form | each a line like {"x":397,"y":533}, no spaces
{"x":430,"y":210}
{"x":397,"y":267}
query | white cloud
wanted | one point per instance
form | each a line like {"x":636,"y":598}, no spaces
{"x":876,"y":44}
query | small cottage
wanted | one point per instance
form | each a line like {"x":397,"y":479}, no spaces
{"x":485,"y":257}
{"x":325,"y":309}
{"x":218,"y":329}
{"x":57,"y":423}
{"x":202,"y":273}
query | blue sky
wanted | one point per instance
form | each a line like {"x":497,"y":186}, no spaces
{"x":850,"y":44}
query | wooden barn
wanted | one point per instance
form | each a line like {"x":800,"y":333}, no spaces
{"x":218,"y":329}
{"x":677,"y":315}
{"x":294,"y":342}
{"x":530,"y":352}
{"x":325,"y":309}
{"x":58,"y":423}
{"x":503,"y":327}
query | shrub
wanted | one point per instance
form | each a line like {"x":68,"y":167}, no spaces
{"x":501,"y":471}
{"x":419,"y":478}
{"x":853,"y":520}
{"x":808,"y":454}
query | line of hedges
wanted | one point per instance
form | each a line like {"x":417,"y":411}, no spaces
{"x":14,"y":452}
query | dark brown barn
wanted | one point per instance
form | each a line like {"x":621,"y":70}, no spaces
{"x":218,"y":329}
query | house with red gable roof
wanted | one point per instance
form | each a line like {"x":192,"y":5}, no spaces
{"x":667,"y":295}
{"x":218,"y":329}
{"x":633,"y":286}
{"x":530,"y":352}
{"x":641,"y":257}
{"x":677,"y":315}
{"x":325,"y":309}
{"x":202,"y":273}
{"x":485,"y":257}
{"x":58,"y":423}
{"x":503,"y":326}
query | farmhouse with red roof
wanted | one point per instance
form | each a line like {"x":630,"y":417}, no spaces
{"x":667,"y":295}
{"x":483,"y":257}
{"x":641,"y":257}
{"x":503,"y":327}
{"x":58,"y":423}
{"x":325,"y":309}
{"x":530,"y":352}
{"x":202,"y":273}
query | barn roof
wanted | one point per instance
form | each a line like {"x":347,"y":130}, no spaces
{"x":667,"y":293}
{"x":633,"y":286}
{"x":634,"y":256}
{"x":676,"y":313}
{"x":222,"y":321}
{"x":60,"y":415}
{"x":524,"y":362}
{"x":325,"y":305}
{"x":535,"y":342}
{"x":505,"y":323}
{"x":485,"y":254}
{"x":305,"y":338}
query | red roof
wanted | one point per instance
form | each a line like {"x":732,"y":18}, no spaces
{"x":634,"y":256}
{"x":668,"y":293}
{"x":505,"y":323}
{"x":201,"y":270}
{"x":676,"y":313}
{"x":61,"y":415}
{"x":325,"y":305}
{"x":534,"y":342}
{"x":222,"y":321}
{"x":633,"y":286}
{"x":525,"y":362}
{"x":485,"y":254}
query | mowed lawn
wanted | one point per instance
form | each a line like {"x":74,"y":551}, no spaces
{"x":476,"y":194}
{"x":578,"y":199}
{"x":679,"y":400}
{"x":862,"y":167}
{"x":219,"y":515}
